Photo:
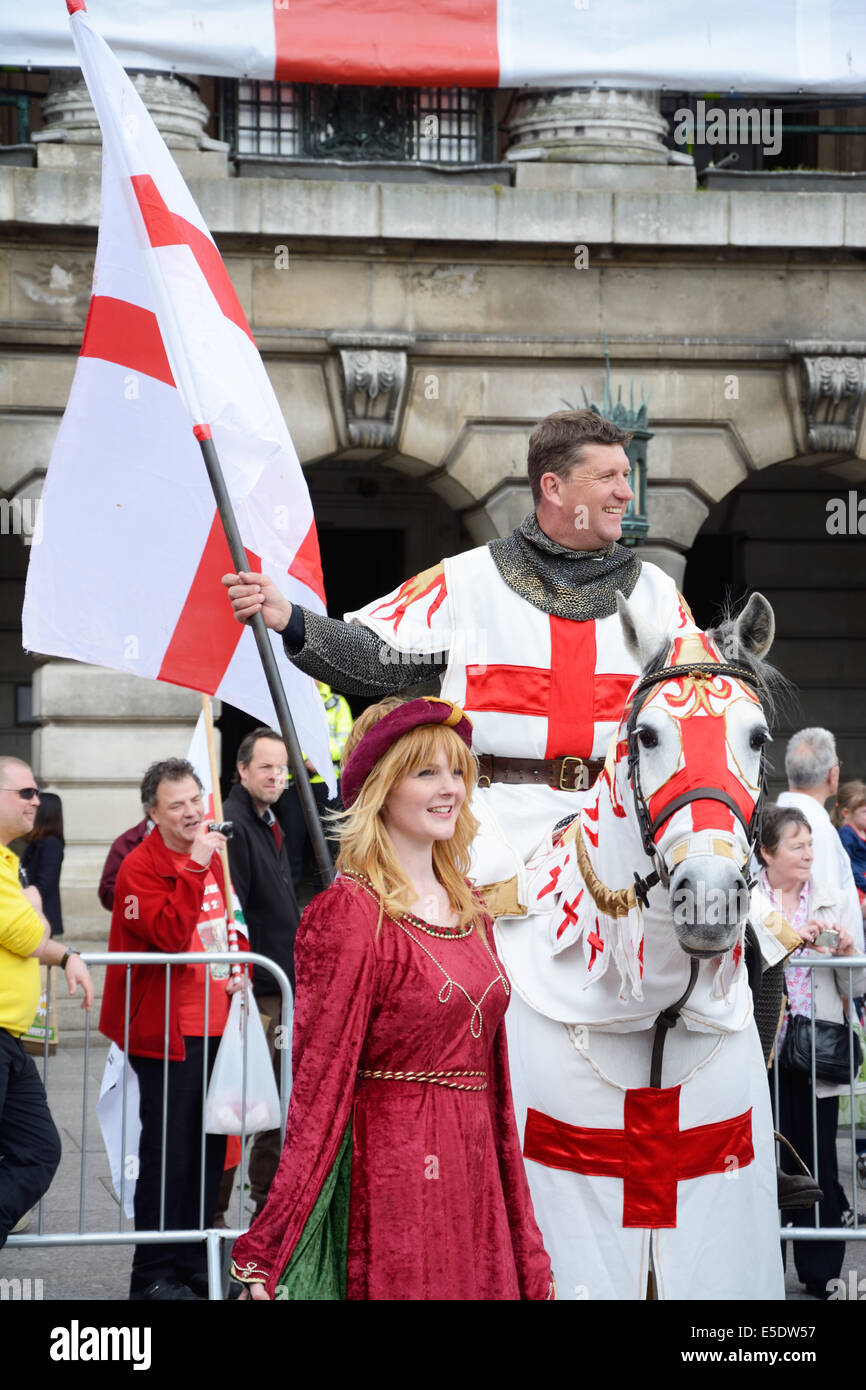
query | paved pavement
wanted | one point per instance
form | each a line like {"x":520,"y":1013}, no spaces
{"x":82,"y":1271}
{"x":74,"y":1273}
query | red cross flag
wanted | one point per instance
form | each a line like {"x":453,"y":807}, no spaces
{"x":127,"y":571}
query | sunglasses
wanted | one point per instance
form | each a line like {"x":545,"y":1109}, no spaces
{"x":26,"y":793}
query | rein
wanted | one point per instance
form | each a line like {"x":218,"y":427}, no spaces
{"x":667,"y":1019}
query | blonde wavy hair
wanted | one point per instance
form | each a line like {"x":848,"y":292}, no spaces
{"x":365,"y":845}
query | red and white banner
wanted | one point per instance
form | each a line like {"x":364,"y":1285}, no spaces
{"x":197,"y":754}
{"x":721,"y":45}
{"x":127,"y":571}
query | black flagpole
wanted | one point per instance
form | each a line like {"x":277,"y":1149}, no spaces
{"x":269,"y":661}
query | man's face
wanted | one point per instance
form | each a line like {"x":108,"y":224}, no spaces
{"x":179,"y":811}
{"x":264,"y":776}
{"x":592,"y":498}
{"x":16,"y":814}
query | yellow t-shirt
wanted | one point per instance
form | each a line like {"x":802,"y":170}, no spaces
{"x":20,"y":933}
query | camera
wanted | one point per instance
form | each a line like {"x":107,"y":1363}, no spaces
{"x":828,"y":937}
{"x":222,"y":827}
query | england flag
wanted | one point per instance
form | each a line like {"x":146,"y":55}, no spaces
{"x":126,"y":572}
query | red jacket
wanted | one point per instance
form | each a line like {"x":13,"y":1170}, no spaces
{"x":155,"y":909}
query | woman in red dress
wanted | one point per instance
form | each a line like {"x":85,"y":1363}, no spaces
{"x":401,"y":1176}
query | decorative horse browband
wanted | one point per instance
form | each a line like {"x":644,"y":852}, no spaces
{"x":700,"y":671}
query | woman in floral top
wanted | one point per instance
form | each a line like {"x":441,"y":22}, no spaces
{"x":810,"y":908}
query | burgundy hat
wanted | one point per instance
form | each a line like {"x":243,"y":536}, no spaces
{"x":378,"y":739}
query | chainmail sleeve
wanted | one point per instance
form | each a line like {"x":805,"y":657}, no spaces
{"x":354,"y":660}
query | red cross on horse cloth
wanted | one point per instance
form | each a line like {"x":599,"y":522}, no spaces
{"x":571,"y":694}
{"x":651,"y":1153}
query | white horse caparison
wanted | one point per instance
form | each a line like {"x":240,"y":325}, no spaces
{"x":651,"y":1176}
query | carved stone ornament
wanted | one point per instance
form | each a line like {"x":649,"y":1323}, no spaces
{"x":579,"y":126}
{"x":173,"y":102}
{"x":832,"y":392}
{"x":374,"y":380}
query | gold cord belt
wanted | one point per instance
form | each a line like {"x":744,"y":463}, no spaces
{"x":436,"y":1078}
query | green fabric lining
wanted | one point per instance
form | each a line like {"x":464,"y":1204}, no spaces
{"x":317,"y":1268}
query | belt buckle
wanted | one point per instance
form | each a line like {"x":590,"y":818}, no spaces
{"x":576,"y":785}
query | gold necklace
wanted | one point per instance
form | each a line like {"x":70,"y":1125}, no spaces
{"x":447,"y":933}
{"x":448,"y":987}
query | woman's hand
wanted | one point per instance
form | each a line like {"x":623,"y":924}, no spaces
{"x":846,"y":945}
{"x":257,"y":1292}
{"x":235,"y":983}
{"x":808,"y":934}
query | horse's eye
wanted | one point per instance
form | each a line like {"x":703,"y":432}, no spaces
{"x":648,"y":738}
{"x":757,"y":739}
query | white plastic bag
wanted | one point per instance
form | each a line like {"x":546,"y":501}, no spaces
{"x":225,"y":1091}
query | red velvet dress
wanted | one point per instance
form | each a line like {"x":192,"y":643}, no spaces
{"x":439,"y":1205}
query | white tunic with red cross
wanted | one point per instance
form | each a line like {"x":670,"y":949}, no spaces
{"x":534,"y":685}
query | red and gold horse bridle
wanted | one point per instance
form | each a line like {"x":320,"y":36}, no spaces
{"x":651,"y":824}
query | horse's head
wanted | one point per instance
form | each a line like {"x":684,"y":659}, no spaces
{"x":695,"y":731}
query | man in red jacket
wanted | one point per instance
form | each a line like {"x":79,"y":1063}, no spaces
{"x":169,"y":897}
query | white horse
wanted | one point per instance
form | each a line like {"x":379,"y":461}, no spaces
{"x":649,"y":1145}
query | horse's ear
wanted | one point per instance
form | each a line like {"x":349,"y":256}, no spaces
{"x":642,"y":638}
{"x":755,"y":628}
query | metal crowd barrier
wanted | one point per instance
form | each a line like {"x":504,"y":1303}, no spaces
{"x":816,"y":1231}
{"x":213,"y":1237}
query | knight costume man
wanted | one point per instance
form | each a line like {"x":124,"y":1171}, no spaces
{"x":523,"y":634}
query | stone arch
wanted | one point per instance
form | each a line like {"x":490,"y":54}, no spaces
{"x":772,"y":532}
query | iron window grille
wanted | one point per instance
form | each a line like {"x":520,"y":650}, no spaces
{"x":442,"y":125}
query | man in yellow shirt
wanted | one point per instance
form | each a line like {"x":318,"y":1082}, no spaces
{"x":29,"y":1142}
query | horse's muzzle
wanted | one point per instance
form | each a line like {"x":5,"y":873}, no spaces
{"x":709,"y":902}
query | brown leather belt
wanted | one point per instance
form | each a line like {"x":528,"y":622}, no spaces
{"x":564,"y":774}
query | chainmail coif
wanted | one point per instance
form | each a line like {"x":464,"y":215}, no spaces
{"x":576,"y":584}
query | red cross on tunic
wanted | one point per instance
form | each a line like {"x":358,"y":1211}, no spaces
{"x":554,"y":876}
{"x":595,"y":941}
{"x":572,"y":696}
{"x":651,"y":1153}
{"x":569,"y":918}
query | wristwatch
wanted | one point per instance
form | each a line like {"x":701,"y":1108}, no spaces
{"x":65,"y":960}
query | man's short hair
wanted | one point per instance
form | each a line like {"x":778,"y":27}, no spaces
{"x":8,"y":760}
{"x":809,"y":758}
{"x":168,"y":770}
{"x":247,"y":745}
{"x":556,"y":443}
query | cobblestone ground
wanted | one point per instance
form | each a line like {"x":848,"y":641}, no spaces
{"x":74,"y":1273}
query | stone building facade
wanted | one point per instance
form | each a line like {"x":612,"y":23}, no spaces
{"x":414,"y":331}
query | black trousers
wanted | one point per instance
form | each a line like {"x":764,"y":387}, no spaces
{"x":29,"y":1142}
{"x":176,"y":1263}
{"x":816,"y":1261}
{"x":297,"y":835}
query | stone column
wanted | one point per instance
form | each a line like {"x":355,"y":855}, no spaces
{"x":593,"y":138}
{"x":98,"y":731}
{"x":71,"y":135}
